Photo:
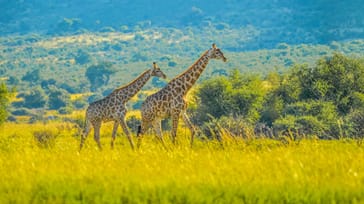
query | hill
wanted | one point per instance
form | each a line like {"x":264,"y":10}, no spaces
{"x":65,"y":59}
{"x":293,"y":22}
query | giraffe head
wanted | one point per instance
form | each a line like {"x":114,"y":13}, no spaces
{"x":215,"y":53}
{"x":156,"y":71}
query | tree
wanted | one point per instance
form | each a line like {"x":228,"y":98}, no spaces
{"x":313,"y":117}
{"x":32,"y":76}
{"x":335,"y":79}
{"x":35,"y":98}
{"x":4,"y":100}
{"x":343,"y":78}
{"x":58,"y":98}
{"x":313,"y":100}
{"x":235,"y":95}
{"x":99,"y":75}
{"x":83,"y":57}
{"x":212,"y":99}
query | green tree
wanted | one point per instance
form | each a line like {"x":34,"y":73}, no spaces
{"x":32,"y":76}
{"x":35,"y":98}
{"x":83,"y":57}
{"x":212,"y":99}
{"x":246,"y":96}
{"x":337,"y":79}
{"x":313,"y":100}
{"x":99,"y":74}
{"x":312,"y":117}
{"x":58,"y":98}
{"x":235,"y":95}
{"x":4,"y":100}
{"x":344,"y":77}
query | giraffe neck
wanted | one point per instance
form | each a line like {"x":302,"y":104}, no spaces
{"x":188,"y":78}
{"x":125,"y":93}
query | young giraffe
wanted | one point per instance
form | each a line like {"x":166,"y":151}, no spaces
{"x":170,"y":101}
{"x":112,"y":107}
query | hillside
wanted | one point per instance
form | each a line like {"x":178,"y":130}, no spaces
{"x":293,"y":22}
{"x":66,"y":58}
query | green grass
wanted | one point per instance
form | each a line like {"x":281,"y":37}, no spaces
{"x":237,"y":171}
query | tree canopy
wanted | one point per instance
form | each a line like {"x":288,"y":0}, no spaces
{"x":326,"y":100}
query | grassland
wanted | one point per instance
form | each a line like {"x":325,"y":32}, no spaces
{"x":235,"y":171}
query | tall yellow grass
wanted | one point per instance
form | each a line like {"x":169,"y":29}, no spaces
{"x":234,"y":171}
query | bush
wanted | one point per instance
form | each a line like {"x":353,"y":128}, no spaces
{"x":133,"y":123}
{"x":313,"y":100}
{"x":65,"y":110}
{"x":45,"y":84}
{"x":308,"y":118}
{"x":45,"y":138}
{"x":58,"y":98}
{"x":35,"y":98}
{"x":237,"y":95}
{"x":4,"y":100}
{"x":83,"y":57}
{"x":21,"y":111}
{"x":79,"y":103}
{"x":32,"y":76}
{"x":99,"y":74}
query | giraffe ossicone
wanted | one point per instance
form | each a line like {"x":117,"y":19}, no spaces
{"x":170,"y":101}
{"x":113,"y":108}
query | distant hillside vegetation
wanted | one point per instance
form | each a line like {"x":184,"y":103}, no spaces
{"x":293,"y":22}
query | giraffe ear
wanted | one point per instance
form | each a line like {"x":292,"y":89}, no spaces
{"x":214,"y":46}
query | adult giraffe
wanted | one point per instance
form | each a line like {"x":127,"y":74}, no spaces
{"x":170,"y":101}
{"x":112,"y":107}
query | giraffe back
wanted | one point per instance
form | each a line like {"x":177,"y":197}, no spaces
{"x":106,"y":109}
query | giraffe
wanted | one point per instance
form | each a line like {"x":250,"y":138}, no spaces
{"x":171,"y":102}
{"x":112,"y":107}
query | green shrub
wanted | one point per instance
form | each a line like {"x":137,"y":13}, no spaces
{"x":236,"y":94}
{"x":58,"y":98}
{"x":4,"y":100}
{"x":133,"y":123}
{"x":65,"y":110}
{"x":99,"y":74}
{"x":35,"y":98}
{"x":79,"y":103}
{"x":45,"y":138}
{"x":83,"y":57}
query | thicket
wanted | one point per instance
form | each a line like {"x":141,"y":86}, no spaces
{"x":325,"y":100}
{"x":4,"y":101}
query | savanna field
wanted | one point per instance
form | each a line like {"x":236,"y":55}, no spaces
{"x":40,"y":163}
{"x":278,"y":111}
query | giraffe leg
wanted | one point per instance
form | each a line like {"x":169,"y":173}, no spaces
{"x":175,"y":119}
{"x":97,"y":126}
{"x":114,"y":130}
{"x":126,"y":131}
{"x":86,"y":131}
{"x":190,"y":126}
{"x":158,"y":130}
